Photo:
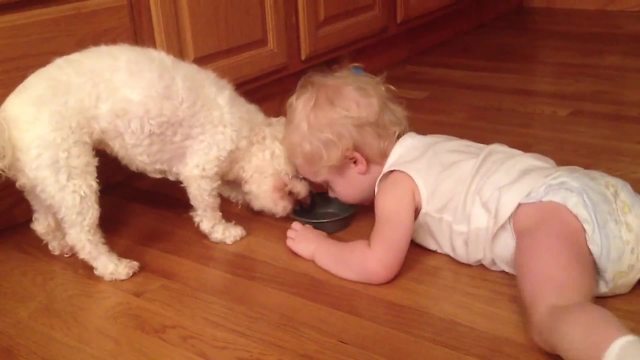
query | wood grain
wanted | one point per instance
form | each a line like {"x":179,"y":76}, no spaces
{"x":571,"y":93}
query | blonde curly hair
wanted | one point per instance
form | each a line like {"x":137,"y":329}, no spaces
{"x":333,"y":113}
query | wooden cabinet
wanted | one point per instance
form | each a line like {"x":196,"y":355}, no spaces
{"x":411,"y":9}
{"x":328,"y":24}
{"x":241,"y":40}
{"x":236,"y":39}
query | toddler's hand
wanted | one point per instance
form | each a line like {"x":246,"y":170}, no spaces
{"x":303,"y":239}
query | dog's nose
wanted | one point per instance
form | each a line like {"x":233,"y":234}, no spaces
{"x":317,"y":188}
{"x":305,"y":202}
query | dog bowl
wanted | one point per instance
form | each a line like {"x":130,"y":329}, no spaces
{"x":325,"y":213}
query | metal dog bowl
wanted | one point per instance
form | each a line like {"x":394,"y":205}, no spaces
{"x":325,"y":213}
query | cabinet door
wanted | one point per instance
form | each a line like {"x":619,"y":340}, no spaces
{"x":410,"y":9}
{"x":328,"y":24}
{"x":236,"y":39}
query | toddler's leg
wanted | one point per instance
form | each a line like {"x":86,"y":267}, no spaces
{"x":557,"y":280}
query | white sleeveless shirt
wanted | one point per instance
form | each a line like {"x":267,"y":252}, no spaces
{"x":468,"y":191}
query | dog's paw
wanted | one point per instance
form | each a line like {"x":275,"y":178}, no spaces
{"x":120,"y":269}
{"x":52,"y":235}
{"x":227,"y":233}
{"x":60,"y":248}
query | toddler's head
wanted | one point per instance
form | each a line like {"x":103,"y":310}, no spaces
{"x":332,"y":114}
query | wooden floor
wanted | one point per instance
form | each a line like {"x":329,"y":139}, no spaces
{"x":566,"y":84}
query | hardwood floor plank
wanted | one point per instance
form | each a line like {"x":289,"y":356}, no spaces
{"x":39,"y":344}
{"x":240,"y":265}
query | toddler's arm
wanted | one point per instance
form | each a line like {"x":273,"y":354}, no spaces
{"x":378,"y":259}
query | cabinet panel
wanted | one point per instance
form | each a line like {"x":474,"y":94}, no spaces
{"x":237,"y":39}
{"x":32,"y":37}
{"x":328,"y":24}
{"x":410,"y":9}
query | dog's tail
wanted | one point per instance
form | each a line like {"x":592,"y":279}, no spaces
{"x":6,"y":148}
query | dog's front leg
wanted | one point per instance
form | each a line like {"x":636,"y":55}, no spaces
{"x":232,"y":191}
{"x":203,"y":191}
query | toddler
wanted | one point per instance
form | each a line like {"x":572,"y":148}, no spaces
{"x":569,"y":234}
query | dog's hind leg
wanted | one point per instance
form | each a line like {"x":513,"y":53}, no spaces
{"x":205,"y":199}
{"x":46,"y":224}
{"x":79,"y":218}
{"x":72,"y":192}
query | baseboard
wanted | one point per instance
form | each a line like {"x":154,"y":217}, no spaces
{"x":612,"y":5}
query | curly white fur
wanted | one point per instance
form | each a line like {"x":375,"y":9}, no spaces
{"x":5,"y":147}
{"x":158,"y":115}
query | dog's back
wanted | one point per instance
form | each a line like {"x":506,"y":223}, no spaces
{"x":140,"y":104}
{"x":103,"y":81}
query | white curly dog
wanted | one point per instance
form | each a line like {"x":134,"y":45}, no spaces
{"x":158,"y":115}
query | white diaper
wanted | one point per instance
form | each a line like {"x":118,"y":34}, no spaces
{"x":609,"y":210}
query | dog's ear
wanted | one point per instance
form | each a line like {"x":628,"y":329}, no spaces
{"x":277,"y":124}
